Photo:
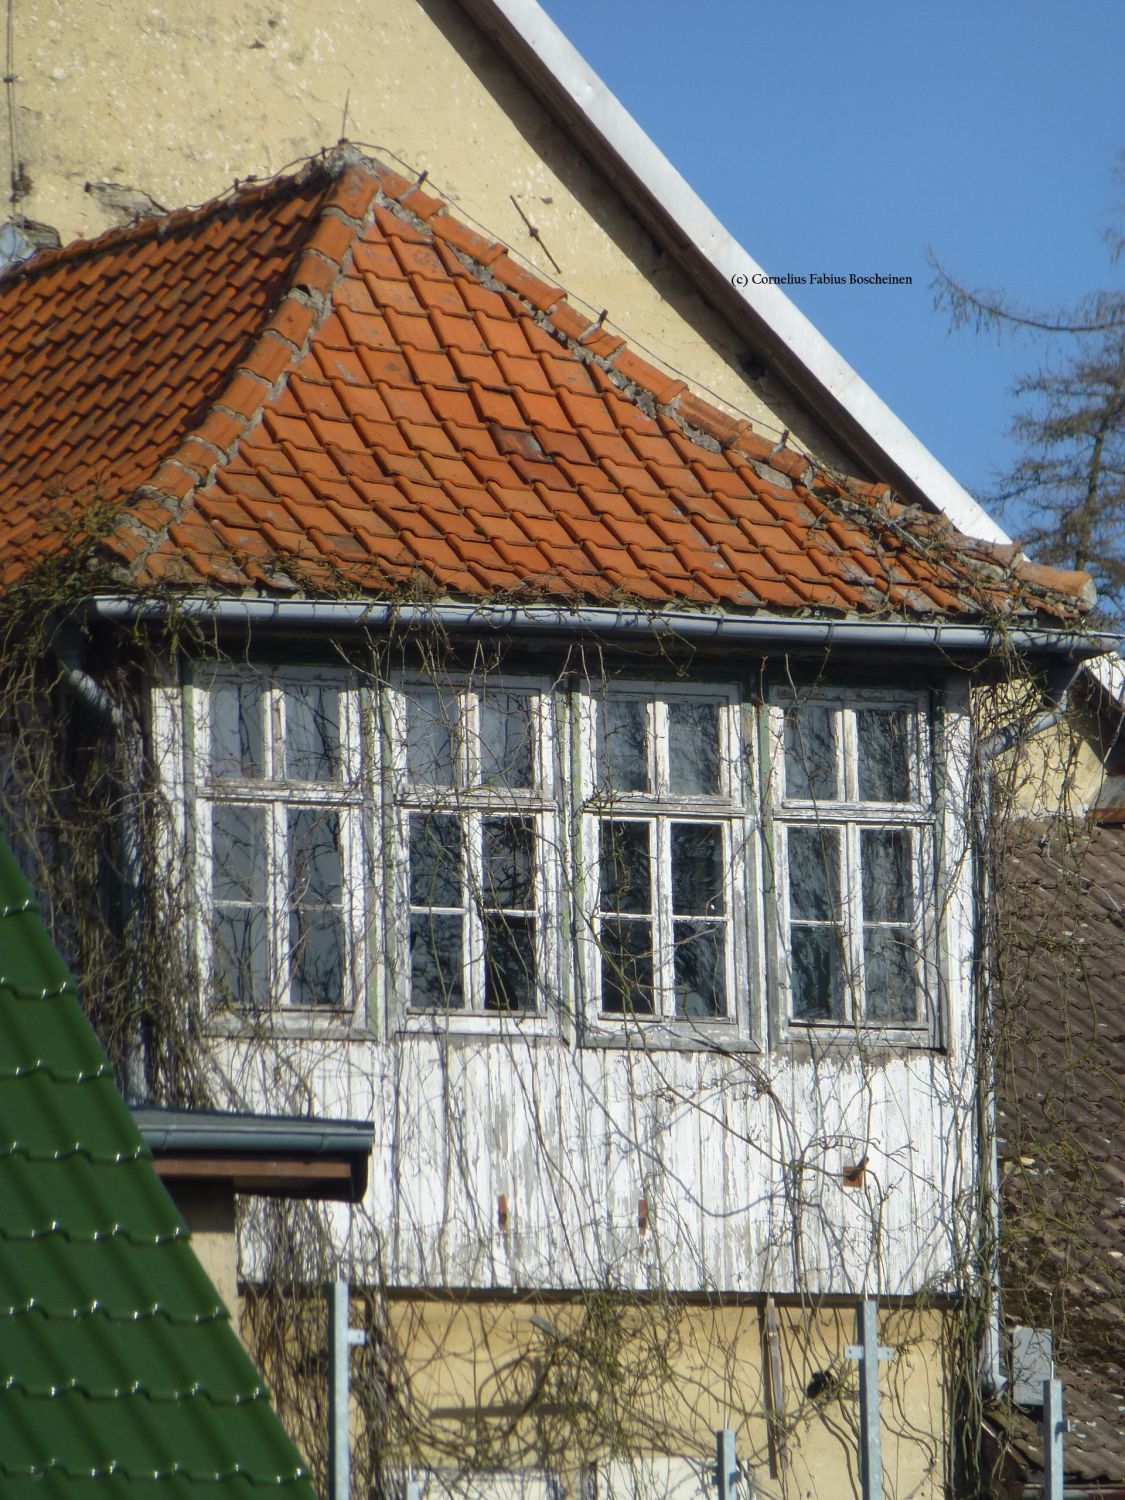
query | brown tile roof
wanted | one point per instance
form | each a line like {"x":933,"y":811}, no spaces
{"x":329,"y":383}
{"x":1061,"y":1122}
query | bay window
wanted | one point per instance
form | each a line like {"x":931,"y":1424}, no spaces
{"x":515,"y":851}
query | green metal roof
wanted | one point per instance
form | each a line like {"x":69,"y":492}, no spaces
{"x":118,"y":1365}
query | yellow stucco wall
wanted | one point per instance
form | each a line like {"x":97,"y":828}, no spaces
{"x":208,"y":1211}
{"x":179,"y":99}
{"x":660,"y":1379}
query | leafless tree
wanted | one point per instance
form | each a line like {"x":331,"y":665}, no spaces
{"x":1067,"y":487}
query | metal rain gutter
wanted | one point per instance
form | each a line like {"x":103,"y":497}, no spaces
{"x":795,"y":633}
{"x":201,"y":1130}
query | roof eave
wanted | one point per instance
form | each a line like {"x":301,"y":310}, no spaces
{"x":266,"y":1155}
{"x":862,"y":424}
{"x":769,"y":632}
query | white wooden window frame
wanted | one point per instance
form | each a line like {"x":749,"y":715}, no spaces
{"x":660,"y":808}
{"x":848,"y":815}
{"x":472,"y":802}
{"x":277,"y":795}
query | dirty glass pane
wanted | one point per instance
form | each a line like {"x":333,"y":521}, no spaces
{"x":240,"y":955}
{"x":509,"y":862}
{"x":236,"y":729}
{"x":887,"y":876}
{"x":435,"y":859}
{"x":316,"y":957}
{"x":816,"y":974}
{"x":626,"y":867}
{"x":432,"y":735}
{"x":312,"y":732}
{"x":623,"y":764}
{"x":888,"y":956}
{"x":509,"y":962}
{"x":700,"y":970}
{"x":436,"y":962}
{"x":316,"y":935}
{"x":239,"y":958}
{"x":814,"y":874}
{"x":810,"y":752}
{"x":697,"y":868}
{"x":627,"y":976}
{"x":238,"y":853}
{"x":315,"y":871}
{"x":693,"y":748}
{"x":885,"y":737}
{"x":505,"y":740}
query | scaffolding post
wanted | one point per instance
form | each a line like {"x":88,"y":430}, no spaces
{"x":1053,"y":1428}
{"x":869,"y":1352}
{"x":341,"y":1339}
{"x":726,"y":1463}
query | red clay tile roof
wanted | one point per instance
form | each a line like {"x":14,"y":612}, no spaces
{"x":329,"y":383}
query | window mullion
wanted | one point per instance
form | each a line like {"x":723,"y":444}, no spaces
{"x":847,"y":740}
{"x":664,"y":966}
{"x":278,"y":877}
{"x":472,"y":875}
{"x":658,"y":740}
{"x":853,"y":921}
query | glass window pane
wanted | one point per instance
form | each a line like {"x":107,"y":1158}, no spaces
{"x":316,"y":935}
{"x":509,"y":862}
{"x":814,"y":874}
{"x":236,"y":729}
{"x":435,"y":859}
{"x":432,"y":735}
{"x":816,"y":974}
{"x":315,"y":869}
{"x":701,"y":991}
{"x":626,"y":867}
{"x":885,"y":744}
{"x":240,"y":959}
{"x":697,"y":868}
{"x":316,"y":957}
{"x":509,"y":962}
{"x":810,"y":752}
{"x":627,"y":974}
{"x":312,"y":732}
{"x":238,"y":853}
{"x":623,"y":760}
{"x":888,"y":956}
{"x":887,"y":874}
{"x":436,"y":962}
{"x":505,"y":740}
{"x":693,"y":748}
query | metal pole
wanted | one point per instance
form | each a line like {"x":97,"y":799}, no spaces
{"x":726,"y":1463}
{"x":869,"y":1352}
{"x":1053,"y":1429}
{"x":341,"y":1339}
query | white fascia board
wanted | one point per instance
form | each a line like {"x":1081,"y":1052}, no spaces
{"x":534,"y":43}
{"x":1109,"y":673}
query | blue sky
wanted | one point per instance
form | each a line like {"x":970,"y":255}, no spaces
{"x":851,"y":135}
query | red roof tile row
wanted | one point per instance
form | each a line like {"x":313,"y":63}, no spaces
{"x":328,"y":382}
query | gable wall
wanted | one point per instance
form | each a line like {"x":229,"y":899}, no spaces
{"x":178,"y":102}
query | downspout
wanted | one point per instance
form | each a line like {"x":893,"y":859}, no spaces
{"x":90,"y":693}
{"x":993,"y":1379}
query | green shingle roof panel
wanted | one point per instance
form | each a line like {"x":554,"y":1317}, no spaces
{"x":118,"y":1366}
